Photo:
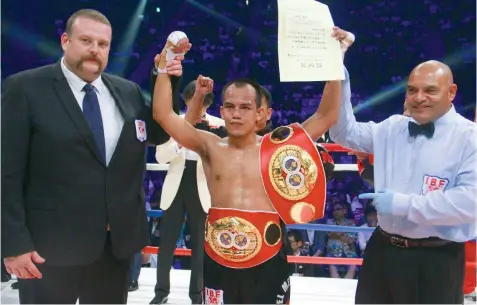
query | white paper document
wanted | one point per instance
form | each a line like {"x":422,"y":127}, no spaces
{"x":306,"y":50}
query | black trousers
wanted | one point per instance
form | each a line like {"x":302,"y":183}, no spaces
{"x":103,"y":282}
{"x":267,"y":283}
{"x":186,"y":200}
{"x":421,"y":275}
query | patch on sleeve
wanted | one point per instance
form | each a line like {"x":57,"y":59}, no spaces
{"x":433,"y":183}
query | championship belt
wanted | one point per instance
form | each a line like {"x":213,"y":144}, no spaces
{"x":242,"y":239}
{"x":293,"y":174}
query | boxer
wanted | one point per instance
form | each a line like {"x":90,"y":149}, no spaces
{"x":256,"y":183}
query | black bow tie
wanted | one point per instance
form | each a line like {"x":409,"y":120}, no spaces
{"x":416,"y":129}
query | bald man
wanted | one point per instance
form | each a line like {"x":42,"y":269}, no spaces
{"x":425,"y":175}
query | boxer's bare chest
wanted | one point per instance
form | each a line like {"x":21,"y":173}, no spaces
{"x":234,"y":179}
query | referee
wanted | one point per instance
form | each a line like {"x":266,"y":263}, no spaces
{"x":425,"y":175}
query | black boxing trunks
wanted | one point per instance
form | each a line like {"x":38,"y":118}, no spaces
{"x":245,"y":260}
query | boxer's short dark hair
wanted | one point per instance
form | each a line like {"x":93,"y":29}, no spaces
{"x":267,"y":95}
{"x":242,"y":82}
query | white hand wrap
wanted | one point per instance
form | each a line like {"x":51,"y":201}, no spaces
{"x":172,"y":40}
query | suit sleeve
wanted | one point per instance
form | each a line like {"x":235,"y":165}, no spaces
{"x":156,"y":134}
{"x":167,"y":152}
{"x":16,"y":135}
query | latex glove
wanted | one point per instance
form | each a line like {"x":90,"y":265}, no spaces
{"x":382,"y":200}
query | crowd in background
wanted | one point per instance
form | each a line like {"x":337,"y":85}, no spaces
{"x":235,"y":39}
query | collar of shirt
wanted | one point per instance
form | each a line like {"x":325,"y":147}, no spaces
{"x":77,"y":83}
{"x":447,"y":118}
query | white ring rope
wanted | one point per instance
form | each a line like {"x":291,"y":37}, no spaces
{"x":338,"y":167}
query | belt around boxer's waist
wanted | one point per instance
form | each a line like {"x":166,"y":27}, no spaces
{"x":242,"y":239}
{"x":404,"y":242}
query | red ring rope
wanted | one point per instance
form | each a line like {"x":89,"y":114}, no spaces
{"x":293,"y":259}
{"x":332,"y":147}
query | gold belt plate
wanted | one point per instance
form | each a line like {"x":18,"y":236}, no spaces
{"x":234,"y":239}
{"x":293,"y":172}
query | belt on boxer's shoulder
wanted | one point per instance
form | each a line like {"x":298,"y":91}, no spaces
{"x":242,"y":239}
{"x":404,"y":242}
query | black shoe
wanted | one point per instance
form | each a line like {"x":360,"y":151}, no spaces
{"x":196,"y":300}
{"x":6,"y":277}
{"x":159,"y":300}
{"x":133,"y":286}
{"x":14,"y":285}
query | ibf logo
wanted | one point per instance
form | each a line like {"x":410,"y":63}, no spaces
{"x":212,"y":296}
{"x":432,"y":183}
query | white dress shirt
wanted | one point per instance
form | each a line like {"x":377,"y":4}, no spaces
{"x":434,"y":179}
{"x":113,"y":121}
{"x":363,"y":237}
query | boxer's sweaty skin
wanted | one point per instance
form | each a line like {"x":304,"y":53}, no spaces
{"x":232,"y":165}
{"x":233,"y":176}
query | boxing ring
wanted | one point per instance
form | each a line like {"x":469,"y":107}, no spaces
{"x":304,"y":290}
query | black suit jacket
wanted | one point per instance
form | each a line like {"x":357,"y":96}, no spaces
{"x":57,"y":195}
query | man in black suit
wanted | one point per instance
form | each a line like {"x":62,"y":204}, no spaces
{"x":73,"y":160}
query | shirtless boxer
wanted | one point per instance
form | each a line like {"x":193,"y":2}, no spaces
{"x":244,"y":261}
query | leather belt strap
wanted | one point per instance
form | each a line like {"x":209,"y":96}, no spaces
{"x":403,"y":242}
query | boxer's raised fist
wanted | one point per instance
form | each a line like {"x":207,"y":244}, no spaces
{"x":204,"y":85}
{"x":177,"y":45}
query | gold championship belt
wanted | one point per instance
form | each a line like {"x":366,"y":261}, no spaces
{"x":293,"y":175}
{"x":242,"y":239}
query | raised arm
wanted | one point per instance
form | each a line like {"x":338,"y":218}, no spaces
{"x":347,"y":132}
{"x":156,"y":134}
{"x":203,"y":86}
{"x":179,"y":129}
{"x":327,"y":113}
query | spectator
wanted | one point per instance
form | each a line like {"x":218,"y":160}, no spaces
{"x":341,"y":244}
{"x":371,"y":217}
{"x":296,"y":243}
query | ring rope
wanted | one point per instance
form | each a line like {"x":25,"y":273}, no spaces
{"x":331,"y":147}
{"x":305,"y":226}
{"x":338,"y":167}
{"x":314,"y":260}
